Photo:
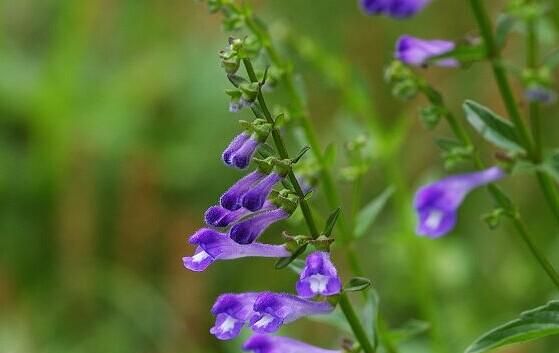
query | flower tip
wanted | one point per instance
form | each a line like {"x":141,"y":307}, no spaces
{"x":198,"y":262}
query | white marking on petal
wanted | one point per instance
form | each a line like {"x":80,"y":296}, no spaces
{"x":434,"y":219}
{"x":318,"y":283}
{"x":228,"y":324}
{"x":201,"y":256}
{"x":264,"y":321}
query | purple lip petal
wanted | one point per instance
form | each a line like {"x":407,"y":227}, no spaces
{"x":232,"y":311}
{"x":199,"y":261}
{"x":319,"y":277}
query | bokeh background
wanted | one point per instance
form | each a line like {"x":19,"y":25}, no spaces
{"x":112,"y":120}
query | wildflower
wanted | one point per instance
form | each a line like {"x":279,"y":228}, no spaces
{"x":255,"y":198}
{"x":240,"y":157}
{"x":231,"y":312}
{"x":247,"y":231}
{"x":540,"y":94}
{"x":319,"y":277}
{"x":437,"y":203}
{"x":214,"y":246}
{"x":231,"y":199}
{"x":272,"y":310}
{"x":274,"y":344}
{"x":417,"y":52}
{"x":234,"y":146}
{"x":394,"y":8}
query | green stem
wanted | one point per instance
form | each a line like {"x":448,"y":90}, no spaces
{"x":345,"y":305}
{"x":532,"y":54}
{"x":546,"y":184}
{"x":355,"y":324}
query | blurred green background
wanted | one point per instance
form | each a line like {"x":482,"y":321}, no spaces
{"x":112,"y":120}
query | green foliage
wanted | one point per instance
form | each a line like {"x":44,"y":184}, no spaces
{"x":537,"y":323}
{"x":369,"y":213}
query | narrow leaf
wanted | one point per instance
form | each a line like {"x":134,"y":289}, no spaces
{"x":492,"y":127}
{"x":331,"y":222}
{"x":533,"y":324}
{"x":357,"y":284}
{"x":551,"y":165}
{"x":330,"y":155}
{"x":370,"y":212}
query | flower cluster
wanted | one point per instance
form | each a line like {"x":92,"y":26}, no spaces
{"x":234,"y":225}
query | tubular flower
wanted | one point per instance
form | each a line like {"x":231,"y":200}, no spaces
{"x":234,"y":146}
{"x":437,"y":203}
{"x":231,"y":199}
{"x":247,"y":231}
{"x":231,"y":312}
{"x":272,"y":310}
{"x":255,"y":198}
{"x":219,"y":216}
{"x":274,"y":344}
{"x":319,"y":277}
{"x":214,"y":246}
{"x":393,"y":8}
{"x":240,"y":158}
{"x":417,"y":52}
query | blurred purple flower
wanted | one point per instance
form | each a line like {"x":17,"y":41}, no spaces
{"x":394,"y":8}
{"x":319,"y":277}
{"x":417,"y":52}
{"x":248,"y":230}
{"x":540,"y":94}
{"x":231,"y":199}
{"x":437,"y":203}
{"x":232,"y":311}
{"x":272,"y":310}
{"x":274,"y":344}
{"x":255,"y":198}
{"x":214,"y":246}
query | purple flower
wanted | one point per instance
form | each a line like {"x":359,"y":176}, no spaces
{"x":231,"y":199}
{"x":393,"y":8}
{"x":417,"y":52}
{"x":247,"y":231}
{"x":275,"y":344}
{"x":218,"y":216}
{"x":255,"y":198}
{"x":240,"y":156}
{"x":272,"y":310}
{"x":214,"y":246}
{"x":319,"y":277}
{"x":436,"y":204}
{"x":234,"y":146}
{"x":231,"y":312}
{"x":540,"y":94}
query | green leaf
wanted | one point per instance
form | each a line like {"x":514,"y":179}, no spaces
{"x":551,"y":165}
{"x":505,"y":24}
{"x":409,"y":330}
{"x":370,"y":313}
{"x":331,"y":222}
{"x":357,"y":284}
{"x":492,"y":127}
{"x":533,"y":324}
{"x":297,"y":265}
{"x":370,"y":212}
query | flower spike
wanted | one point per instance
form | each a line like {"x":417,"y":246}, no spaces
{"x":437,"y":203}
{"x":272,"y":310}
{"x":319,"y":277}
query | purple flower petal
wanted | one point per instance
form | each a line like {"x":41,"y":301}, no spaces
{"x":242,"y":156}
{"x":255,"y":198}
{"x":234,"y":146}
{"x":231,"y":199}
{"x":417,"y":52}
{"x":232,"y":311}
{"x":272,"y":310}
{"x":398,"y":9}
{"x":199,"y":261}
{"x":275,"y":344}
{"x":319,"y":277}
{"x":247,"y":231}
{"x":437,"y":203}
